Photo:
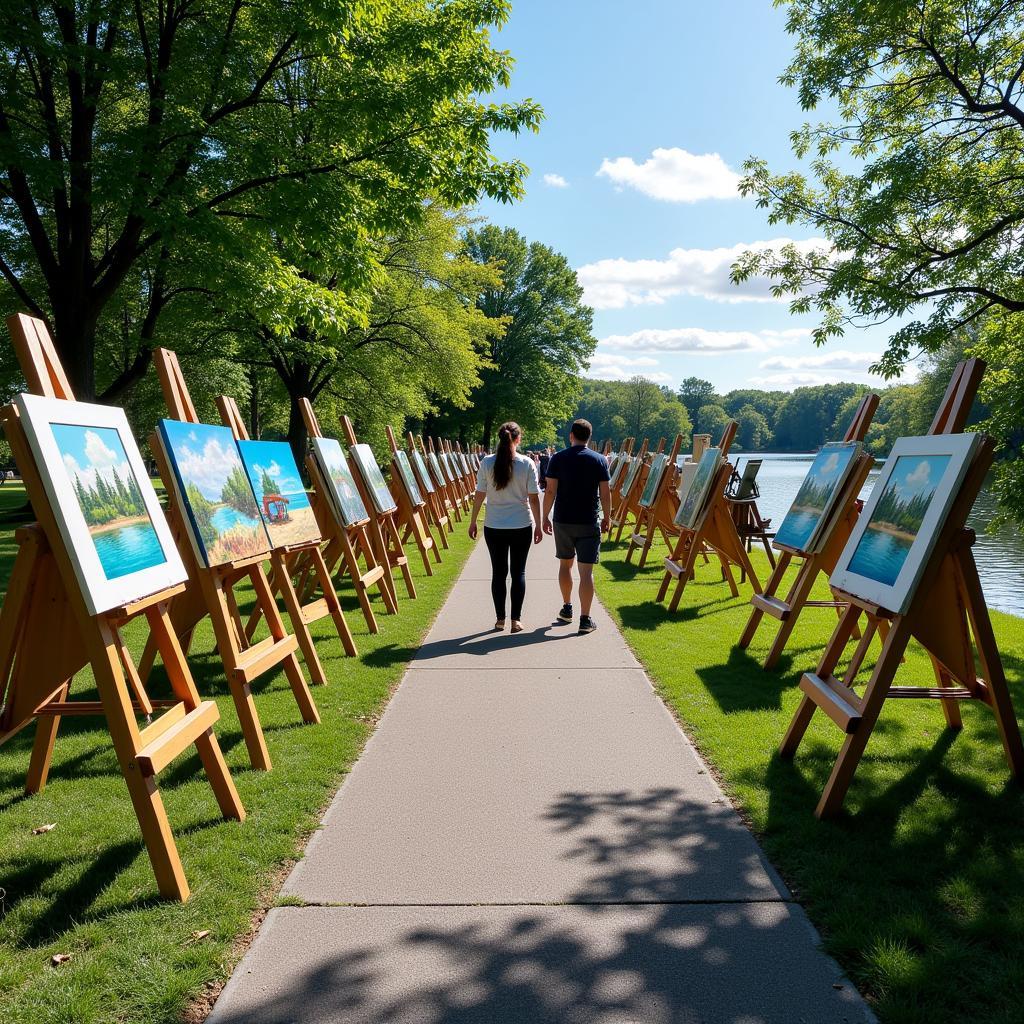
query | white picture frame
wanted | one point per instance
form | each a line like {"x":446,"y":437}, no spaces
{"x":883,"y":560}
{"x":101,"y":592}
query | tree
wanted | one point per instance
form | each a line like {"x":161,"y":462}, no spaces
{"x":643,"y":398}
{"x":695,"y":392}
{"x":754,"y":433}
{"x":532,"y":372}
{"x":711,"y":419}
{"x":635,"y":408}
{"x":157,"y":150}
{"x":806,"y":418}
{"x":237,"y":493}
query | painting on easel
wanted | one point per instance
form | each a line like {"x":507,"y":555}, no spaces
{"x":896,"y":532}
{"x":802,"y":527}
{"x":105,"y":505}
{"x":223,"y":517}
{"x":696,"y":494}
{"x":347,"y":503}
{"x":280,"y":495}
{"x":380,"y":495}
{"x":408,"y":478}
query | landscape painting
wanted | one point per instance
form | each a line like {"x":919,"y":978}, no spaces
{"x":408,"y":477}
{"x":435,"y":467}
{"x":658,"y":464}
{"x":631,"y":475}
{"x":280,"y":494}
{"x":692,"y":504}
{"x":214,"y":488}
{"x":373,"y":478}
{"x":422,"y":473}
{"x":333,"y":464}
{"x":801,"y":529}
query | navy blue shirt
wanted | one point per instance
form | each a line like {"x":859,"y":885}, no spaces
{"x":579,"y":472}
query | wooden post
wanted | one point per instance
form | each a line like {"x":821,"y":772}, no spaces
{"x":44,"y":601}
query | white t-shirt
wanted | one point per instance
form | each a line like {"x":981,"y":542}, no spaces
{"x":508,"y":508}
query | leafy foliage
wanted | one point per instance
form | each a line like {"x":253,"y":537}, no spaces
{"x":237,"y":493}
{"x":635,"y":408}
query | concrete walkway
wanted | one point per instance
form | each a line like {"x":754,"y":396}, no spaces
{"x":529,"y":837}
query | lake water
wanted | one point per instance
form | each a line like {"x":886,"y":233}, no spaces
{"x":128,"y":549}
{"x":1000,"y":556}
{"x":225,"y":517}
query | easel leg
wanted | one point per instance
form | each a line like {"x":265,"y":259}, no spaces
{"x":42,"y":747}
{"x":300,"y":627}
{"x":756,"y":614}
{"x":333,"y":604}
{"x":797,"y":597}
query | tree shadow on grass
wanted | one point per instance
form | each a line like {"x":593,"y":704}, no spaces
{"x":649,"y":616}
{"x":740,"y":684}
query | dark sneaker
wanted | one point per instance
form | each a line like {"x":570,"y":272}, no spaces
{"x":587,"y":624}
{"x":565,"y":615}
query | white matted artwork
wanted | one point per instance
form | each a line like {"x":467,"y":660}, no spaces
{"x":362,"y":455}
{"x":896,"y":533}
{"x":658,"y":466}
{"x":107,"y":511}
{"x":692,"y":503}
{"x":630,"y":478}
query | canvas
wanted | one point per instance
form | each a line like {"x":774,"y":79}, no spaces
{"x":692,"y":503}
{"x":895,"y":534}
{"x":658,"y":466}
{"x":802,"y":529}
{"x":362,"y":455}
{"x":631,"y":474}
{"x":408,"y":477}
{"x":419,"y":466}
{"x":107,"y":511}
{"x":280,"y":495}
{"x":619,"y":470}
{"x":213,"y":491}
{"x":435,"y":468}
{"x":344,"y":495}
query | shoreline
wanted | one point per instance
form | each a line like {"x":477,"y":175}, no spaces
{"x":893,"y":531}
{"x":117,"y":524}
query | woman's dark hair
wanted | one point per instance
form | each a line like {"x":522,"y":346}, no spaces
{"x":507,"y":433}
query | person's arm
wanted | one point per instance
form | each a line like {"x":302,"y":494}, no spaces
{"x":478,"y":500}
{"x":538,"y":534}
{"x":606,"y":507}
{"x":549,"y":499}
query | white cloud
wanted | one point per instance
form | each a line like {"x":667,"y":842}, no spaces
{"x":835,"y":367}
{"x":617,"y":366}
{"x":674,"y":175}
{"x":704,"y":273}
{"x":839,"y":359}
{"x":831,"y":464}
{"x":98,"y":454}
{"x":207,"y":469}
{"x":699,"y":340}
{"x":555,"y":181}
{"x":918,"y":480}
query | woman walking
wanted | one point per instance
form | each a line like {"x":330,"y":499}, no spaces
{"x":508,"y":481}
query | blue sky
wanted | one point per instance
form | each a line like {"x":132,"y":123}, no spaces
{"x":651,"y":108}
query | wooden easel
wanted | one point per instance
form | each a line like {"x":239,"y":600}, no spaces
{"x":210,"y":592}
{"x":629,"y":497}
{"x":47,"y":635}
{"x":442,"y":485}
{"x":948,"y":616}
{"x":657,"y":517}
{"x":436,"y":513}
{"x":346,"y":543}
{"x":835,"y":534}
{"x":383,"y":531}
{"x":716,"y":529}
{"x":618,"y":475}
{"x":302,"y":560}
{"x":412,"y":513}
{"x":454,"y":471}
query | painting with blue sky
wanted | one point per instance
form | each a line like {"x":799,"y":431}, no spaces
{"x":214,"y":490}
{"x":280,"y":494}
{"x":348,"y":504}
{"x":801,"y":529}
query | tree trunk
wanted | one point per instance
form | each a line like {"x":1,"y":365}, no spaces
{"x":74,"y":337}
{"x":254,"y":405}
{"x":297,"y":433}
{"x":485,"y":440}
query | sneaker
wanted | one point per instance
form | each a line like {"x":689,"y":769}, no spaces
{"x":587,"y":624}
{"x":565,"y":615}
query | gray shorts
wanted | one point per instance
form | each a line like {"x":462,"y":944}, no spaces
{"x":581,"y":541}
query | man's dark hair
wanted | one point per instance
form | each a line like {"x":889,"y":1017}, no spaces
{"x":581,"y":430}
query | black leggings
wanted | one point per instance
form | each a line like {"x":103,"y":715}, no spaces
{"x":508,"y":550}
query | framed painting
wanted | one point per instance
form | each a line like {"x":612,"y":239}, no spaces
{"x":382,"y":499}
{"x":419,"y":466}
{"x":801,"y":530}
{"x":447,"y":468}
{"x":408,"y":477}
{"x":630,"y":476}
{"x":280,"y":494}
{"x":344,"y":495}
{"x":618,"y":471}
{"x":895,"y":534}
{"x":435,"y":468}
{"x":212,"y":488}
{"x":658,"y":466}
{"x":106,"y":508}
{"x":692,"y":503}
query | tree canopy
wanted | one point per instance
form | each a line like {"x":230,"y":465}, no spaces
{"x":632,"y":408}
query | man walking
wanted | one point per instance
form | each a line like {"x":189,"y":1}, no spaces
{"x":576,"y":478}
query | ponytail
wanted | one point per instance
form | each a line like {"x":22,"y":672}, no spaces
{"x":507,"y":434}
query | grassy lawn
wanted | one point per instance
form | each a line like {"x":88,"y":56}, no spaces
{"x":86,"y":887}
{"x":919,"y":888}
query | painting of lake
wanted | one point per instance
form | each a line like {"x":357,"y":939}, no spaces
{"x":896,"y":519}
{"x":214,"y":488}
{"x":816,"y":496}
{"x":110,"y":499}
{"x":281,"y":498}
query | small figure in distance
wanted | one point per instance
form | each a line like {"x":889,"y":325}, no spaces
{"x":577,"y":489}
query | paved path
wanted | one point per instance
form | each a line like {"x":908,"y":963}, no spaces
{"x":529,"y":837}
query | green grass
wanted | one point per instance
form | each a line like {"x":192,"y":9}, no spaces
{"x":918,"y":888}
{"x":86,"y":887}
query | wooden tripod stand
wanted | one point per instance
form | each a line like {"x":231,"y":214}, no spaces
{"x":435,"y":510}
{"x":412,"y":510}
{"x":947,"y":615}
{"x":657,"y":516}
{"x":210,"y":592}
{"x":823,"y":560}
{"x":632,"y":487}
{"x":44,"y":604}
